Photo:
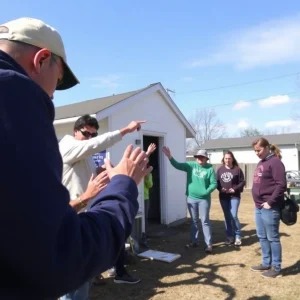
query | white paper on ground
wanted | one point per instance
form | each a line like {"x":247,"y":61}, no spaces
{"x":159,"y":255}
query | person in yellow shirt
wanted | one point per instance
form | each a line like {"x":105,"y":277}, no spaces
{"x":148,"y":184}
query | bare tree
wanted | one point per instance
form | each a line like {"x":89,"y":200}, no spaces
{"x":207,"y":126}
{"x":250,"y":131}
{"x":272,"y":131}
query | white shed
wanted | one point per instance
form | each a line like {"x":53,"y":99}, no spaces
{"x":165,"y":125}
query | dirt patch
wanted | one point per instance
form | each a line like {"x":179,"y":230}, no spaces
{"x":223,"y":275}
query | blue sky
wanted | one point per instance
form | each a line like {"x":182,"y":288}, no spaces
{"x":119,"y":46}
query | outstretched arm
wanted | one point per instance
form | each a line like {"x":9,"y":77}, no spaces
{"x":177,"y":165}
{"x":73,"y":150}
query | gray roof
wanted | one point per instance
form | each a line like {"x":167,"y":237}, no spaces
{"x":91,"y":106}
{"x":245,"y":142}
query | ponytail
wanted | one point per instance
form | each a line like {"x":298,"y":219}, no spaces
{"x":274,"y":149}
{"x":265,"y":143}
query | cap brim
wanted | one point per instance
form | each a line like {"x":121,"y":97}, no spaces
{"x":69,"y":80}
{"x":195,"y":156}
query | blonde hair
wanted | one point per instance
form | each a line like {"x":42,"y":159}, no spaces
{"x":265,"y":143}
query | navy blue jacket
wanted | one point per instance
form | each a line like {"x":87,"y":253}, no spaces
{"x":47,"y":249}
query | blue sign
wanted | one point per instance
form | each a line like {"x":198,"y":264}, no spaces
{"x":99,"y":158}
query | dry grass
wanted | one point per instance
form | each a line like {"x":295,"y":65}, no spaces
{"x":223,"y":275}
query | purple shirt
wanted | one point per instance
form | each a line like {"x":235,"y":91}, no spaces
{"x":269,"y":182}
{"x":230,"y":178}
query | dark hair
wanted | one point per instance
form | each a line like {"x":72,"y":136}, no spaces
{"x":265,"y":143}
{"x":86,"y":120}
{"x":234,"y":161}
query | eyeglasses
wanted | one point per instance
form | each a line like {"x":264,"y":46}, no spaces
{"x":87,"y":134}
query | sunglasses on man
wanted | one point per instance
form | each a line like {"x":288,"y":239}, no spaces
{"x":88,"y":134}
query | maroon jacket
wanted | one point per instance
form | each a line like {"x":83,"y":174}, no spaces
{"x":269,"y":182}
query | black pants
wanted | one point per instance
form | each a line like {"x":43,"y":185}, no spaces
{"x":146,"y":207}
{"x":120,"y":263}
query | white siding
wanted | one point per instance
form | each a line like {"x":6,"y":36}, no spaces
{"x":162,"y":120}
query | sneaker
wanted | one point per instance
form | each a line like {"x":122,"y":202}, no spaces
{"x":238,"y":242}
{"x":208,"y":249}
{"x":98,"y":280}
{"x":272,"y":273}
{"x":260,"y":268}
{"x":111,"y":272}
{"x":229,"y":241}
{"x":191,"y":245}
{"x":127,"y":279}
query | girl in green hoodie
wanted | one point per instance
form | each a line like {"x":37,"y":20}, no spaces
{"x":201,"y":182}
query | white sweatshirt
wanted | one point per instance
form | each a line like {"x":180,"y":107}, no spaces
{"x":78,"y":164}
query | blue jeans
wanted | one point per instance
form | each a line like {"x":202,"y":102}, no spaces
{"x":267,"y":230}
{"x":232,"y":224}
{"x":82,"y":293}
{"x":195,"y":208}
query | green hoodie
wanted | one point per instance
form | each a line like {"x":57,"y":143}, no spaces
{"x":201,"y":180}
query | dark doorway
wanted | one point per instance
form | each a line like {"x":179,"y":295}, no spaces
{"x":154,"y":215}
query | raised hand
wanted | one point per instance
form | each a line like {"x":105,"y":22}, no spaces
{"x":133,"y":164}
{"x":96,"y":185}
{"x":151,"y":149}
{"x":167,"y":152}
{"x":132,"y":126}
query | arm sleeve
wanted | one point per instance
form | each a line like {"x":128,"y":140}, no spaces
{"x":219,"y":186}
{"x":179,"y":166}
{"x":242,"y":181}
{"x":278,"y":173}
{"x":73,"y":150}
{"x":212,"y":182}
{"x":46,"y":245}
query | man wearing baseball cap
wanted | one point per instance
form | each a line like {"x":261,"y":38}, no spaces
{"x":47,"y":249}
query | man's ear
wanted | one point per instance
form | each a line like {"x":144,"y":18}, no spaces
{"x":40,"y":58}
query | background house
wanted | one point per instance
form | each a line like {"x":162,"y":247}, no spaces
{"x":243,"y":151}
{"x":165,"y":125}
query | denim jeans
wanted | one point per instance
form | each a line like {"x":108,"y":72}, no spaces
{"x":232,"y":224}
{"x":82,"y":293}
{"x":267,"y":230}
{"x":202,"y":208}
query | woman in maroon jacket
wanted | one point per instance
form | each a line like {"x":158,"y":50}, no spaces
{"x":231,"y":183}
{"x":269,"y":185}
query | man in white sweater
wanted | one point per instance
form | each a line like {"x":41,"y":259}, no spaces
{"x":76,"y":151}
{"x":78,"y":166}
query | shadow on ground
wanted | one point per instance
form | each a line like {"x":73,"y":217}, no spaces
{"x":264,"y":297}
{"x":156,"y":275}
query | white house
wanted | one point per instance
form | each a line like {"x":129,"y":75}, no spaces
{"x":165,"y":125}
{"x":243,"y":151}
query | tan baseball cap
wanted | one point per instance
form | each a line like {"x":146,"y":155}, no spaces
{"x":35,"y":32}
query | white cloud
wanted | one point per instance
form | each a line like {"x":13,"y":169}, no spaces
{"x":241,"y":105}
{"x":274,"y":100}
{"x":106,"y":82}
{"x":243,"y":124}
{"x":270,"y":43}
{"x":187,"y":79}
{"x":281,"y":123}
